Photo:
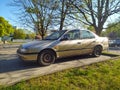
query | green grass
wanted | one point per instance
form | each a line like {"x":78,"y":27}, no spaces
{"x":99,"y":76}
{"x":110,"y":54}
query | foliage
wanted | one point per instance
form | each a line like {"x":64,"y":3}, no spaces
{"x":5,"y":28}
{"x":113,"y":30}
{"x":91,"y":28}
{"x":30,"y":36}
{"x":19,"y":34}
{"x":22,"y":34}
{"x":100,"y":76}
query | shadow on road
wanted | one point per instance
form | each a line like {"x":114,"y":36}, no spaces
{"x":15,"y":64}
{"x":72,"y":58}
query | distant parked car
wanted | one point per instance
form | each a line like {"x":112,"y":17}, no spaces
{"x":61,"y":44}
{"x":114,"y":43}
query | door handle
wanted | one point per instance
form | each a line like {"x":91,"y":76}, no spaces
{"x":78,"y":42}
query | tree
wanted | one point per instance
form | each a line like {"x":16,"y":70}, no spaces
{"x":91,"y":28}
{"x":5,"y":28}
{"x":30,"y":36}
{"x":61,"y":14}
{"x":95,"y":12}
{"x":37,"y":14}
{"x":19,"y":34}
{"x":43,"y":14}
{"x":113,"y":30}
{"x":63,"y":11}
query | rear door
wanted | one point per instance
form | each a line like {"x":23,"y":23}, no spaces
{"x":88,"y":41}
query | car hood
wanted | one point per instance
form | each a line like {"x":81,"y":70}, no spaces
{"x":37,"y":43}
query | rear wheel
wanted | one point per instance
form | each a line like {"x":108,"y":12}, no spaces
{"x":46,"y":57}
{"x":97,"y":51}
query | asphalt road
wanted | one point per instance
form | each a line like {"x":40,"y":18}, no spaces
{"x":9,"y":61}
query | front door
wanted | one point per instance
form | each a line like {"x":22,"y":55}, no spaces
{"x":71,"y":45}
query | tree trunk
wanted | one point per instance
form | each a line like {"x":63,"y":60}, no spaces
{"x":62,"y":15}
{"x":98,"y":30}
{"x":42,"y":37}
{"x":61,"y":24}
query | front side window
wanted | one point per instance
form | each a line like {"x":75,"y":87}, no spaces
{"x":86,"y":34}
{"x":73,"y":35}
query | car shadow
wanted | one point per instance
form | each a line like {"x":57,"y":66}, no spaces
{"x":72,"y":58}
{"x":15,"y":64}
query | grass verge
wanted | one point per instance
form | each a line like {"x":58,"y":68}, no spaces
{"x":99,"y":76}
{"x":110,"y":54}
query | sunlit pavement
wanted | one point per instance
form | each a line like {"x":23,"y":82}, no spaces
{"x":13,"y":70}
{"x":115,"y":50}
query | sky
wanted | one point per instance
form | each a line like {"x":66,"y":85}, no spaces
{"x":8,"y":13}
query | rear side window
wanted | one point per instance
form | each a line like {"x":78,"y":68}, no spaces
{"x":86,"y":34}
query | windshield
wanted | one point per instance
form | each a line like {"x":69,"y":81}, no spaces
{"x":55,"y":35}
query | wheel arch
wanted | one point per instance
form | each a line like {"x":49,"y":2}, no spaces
{"x":49,"y":49}
{"x":97,"y":50}
{"x":98,"y":46}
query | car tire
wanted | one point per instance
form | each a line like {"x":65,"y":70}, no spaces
{"x":46,"y":58}
{"x":97,"y":51}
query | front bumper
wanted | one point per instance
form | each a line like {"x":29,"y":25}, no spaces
{"x":27,"y":56}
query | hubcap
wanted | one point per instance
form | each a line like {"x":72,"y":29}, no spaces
{"x":97,"y":51}
{"x":47,"y":58}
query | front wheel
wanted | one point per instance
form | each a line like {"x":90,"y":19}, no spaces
{"x":46,"y":58}
{"x":97,"y":51}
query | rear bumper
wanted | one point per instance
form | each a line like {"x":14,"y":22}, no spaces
{"x":28,"y":57}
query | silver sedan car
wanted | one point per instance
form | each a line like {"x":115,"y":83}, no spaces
{"x":61,"y":44}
